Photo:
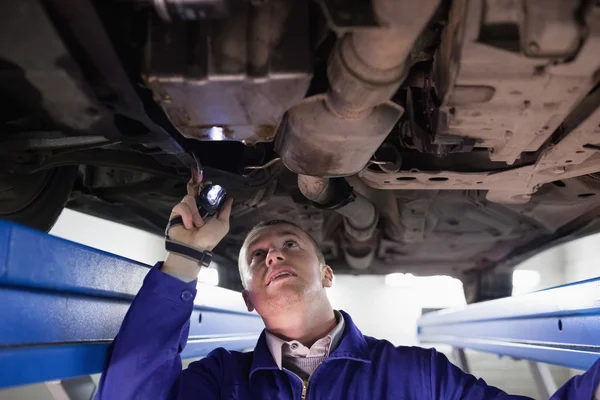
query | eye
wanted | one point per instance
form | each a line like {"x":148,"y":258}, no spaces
{"x":290,"y":244}
{"x":257,"y":254}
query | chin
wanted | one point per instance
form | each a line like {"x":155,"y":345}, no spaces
{"x":285,"y":296}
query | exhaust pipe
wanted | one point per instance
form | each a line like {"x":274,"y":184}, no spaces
{"x":335,"y":134}
{"x":360,"y":216}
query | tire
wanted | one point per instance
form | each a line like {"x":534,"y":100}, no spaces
{"x":36,"y":200}
{"x":487,"y":285}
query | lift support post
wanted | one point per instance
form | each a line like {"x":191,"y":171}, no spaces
{"x":62,"y":303}
{"x":559,"y":326}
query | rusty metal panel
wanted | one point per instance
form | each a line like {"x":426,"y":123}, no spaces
{"x":231,"y":79}
{"x":504,"y":82}
{"x":513,"y":186}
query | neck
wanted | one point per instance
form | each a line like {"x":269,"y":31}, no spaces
{"x":305,"y":323}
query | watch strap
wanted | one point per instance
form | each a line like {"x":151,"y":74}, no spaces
{"x":203,"y":257}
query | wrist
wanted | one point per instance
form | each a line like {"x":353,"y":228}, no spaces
{"x":181,"y":267}
{"x":204,"y":246}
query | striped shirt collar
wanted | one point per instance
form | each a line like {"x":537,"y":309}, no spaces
{"x":321,"y":348}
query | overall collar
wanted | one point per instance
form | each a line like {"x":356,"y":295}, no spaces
{"x":276,"y":344}
{"x":352,"y":346}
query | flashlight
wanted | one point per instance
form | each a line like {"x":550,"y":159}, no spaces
{"x":211,"y":199}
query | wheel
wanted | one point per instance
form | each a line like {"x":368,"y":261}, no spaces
{"x":36,"y":200}
{"x":487,"y":285}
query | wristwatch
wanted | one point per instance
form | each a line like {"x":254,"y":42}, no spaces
{"x":202,"y":257}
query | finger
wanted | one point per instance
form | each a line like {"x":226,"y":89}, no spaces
{"x":191,"y":203}
{"x":195,"y":182}
{"x":225,"y":212}
{"x":183,"y":210}
{"x":197,"y":175}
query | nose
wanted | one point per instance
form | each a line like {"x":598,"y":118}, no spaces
{"x":274,"y":256}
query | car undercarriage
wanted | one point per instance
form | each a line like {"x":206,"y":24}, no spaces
{"x":434,"y":137}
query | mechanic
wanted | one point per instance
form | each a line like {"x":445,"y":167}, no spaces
{"x":308,"y":350}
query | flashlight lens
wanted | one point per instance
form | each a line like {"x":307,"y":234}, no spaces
{"x":213,"y":194}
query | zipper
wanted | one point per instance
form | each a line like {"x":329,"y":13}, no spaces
{"x":304,"y":382}
{"x":304,"y":388}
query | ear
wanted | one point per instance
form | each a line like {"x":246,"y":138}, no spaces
{"x":246,"y":296}
{"x":327,"y":276}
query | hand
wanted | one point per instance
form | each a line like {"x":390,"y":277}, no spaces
{"x":195,"y":232}
{"x":203,"y":235}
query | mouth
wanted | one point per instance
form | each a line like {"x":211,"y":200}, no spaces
{"x":278,"y":275}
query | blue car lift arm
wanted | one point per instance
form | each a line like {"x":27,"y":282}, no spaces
{"x":558,"y":326}
{"x":61,"y":304}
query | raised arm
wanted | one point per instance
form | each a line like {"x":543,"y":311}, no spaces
{"x":145,"y":362}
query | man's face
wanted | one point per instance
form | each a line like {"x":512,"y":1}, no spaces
{"x":281,"y":268}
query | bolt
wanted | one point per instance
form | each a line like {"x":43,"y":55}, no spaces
{"x":533,"y":47}
{"x":539,"y":70}
{"x":558,"y":170}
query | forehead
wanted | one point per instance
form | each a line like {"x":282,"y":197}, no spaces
{"x":273,"y":231}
